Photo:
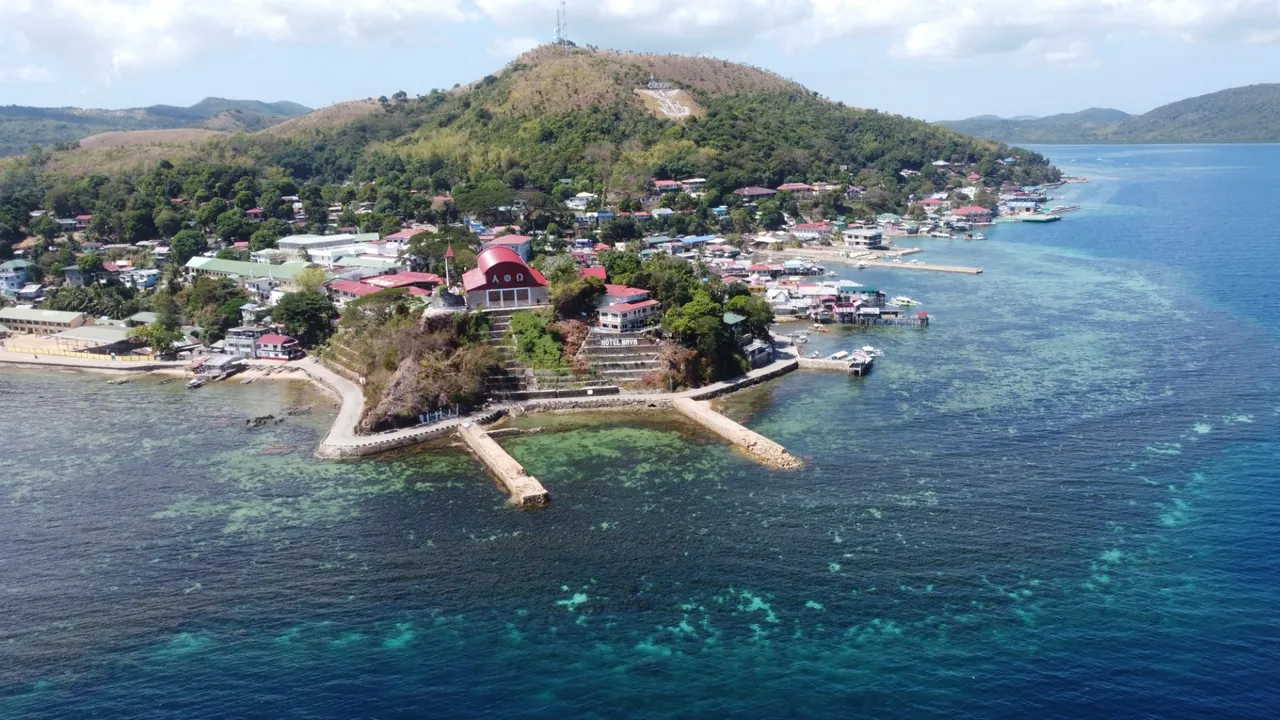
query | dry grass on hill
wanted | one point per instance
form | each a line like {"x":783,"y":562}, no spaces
{"x":337,"y":114}
{"x":132,"y":138}
{"x":709,"y":75}
{"x":553,"y":81}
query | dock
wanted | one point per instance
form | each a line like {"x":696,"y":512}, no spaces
{"x":525,"y":490}
{"x":844,"y":366}
{"x":750,"y":442}
{"x":924,"y":266}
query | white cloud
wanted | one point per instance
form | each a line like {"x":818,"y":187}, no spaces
{"x":27,"y":74}
{"x":107,"y":38}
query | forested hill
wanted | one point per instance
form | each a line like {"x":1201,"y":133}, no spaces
{"x":1238,"y":115}
{"x":21,"y":127}
{"x":550,"y":116}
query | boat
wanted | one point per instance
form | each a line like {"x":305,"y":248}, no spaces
{"x":903,"y":301}
{"x":872,"y":351}
{"x":1041,"y":218}
{"x":195,"y":384}
{"x":814,"y":355}
{"x":941,"y":234}
{"x":863,"y":266}
{"x":839,"y":355}
{"x":799,"y":338}
{"x":974,"y":236}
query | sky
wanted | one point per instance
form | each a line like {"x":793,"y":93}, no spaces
{"x":933,"y":59}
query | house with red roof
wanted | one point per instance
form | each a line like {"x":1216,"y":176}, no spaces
{"x":522,"y":245}
{"x":754,"y":193}
{"x":255,"y":215}
{"x":662,"y":187}
{"x":596,"y":272}
{"x":501,"y":280}
{"x":974,"y":214}
{"x":344,"y":291}
{"x":420,"y":280}
{"x":277,"y":347}
{"x":628,"y":317}
{"x":82,"y":222}
{"x":800,"y":190}
{"x":621,"y":294}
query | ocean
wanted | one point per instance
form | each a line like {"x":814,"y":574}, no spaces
{"x":1059,"y":501}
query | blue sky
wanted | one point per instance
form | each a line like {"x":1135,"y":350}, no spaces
{"x":935,"y":59}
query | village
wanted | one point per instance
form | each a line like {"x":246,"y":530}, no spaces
{"x":783,"y":275}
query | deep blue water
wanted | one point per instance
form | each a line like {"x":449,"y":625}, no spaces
{"x":1059,"y":501}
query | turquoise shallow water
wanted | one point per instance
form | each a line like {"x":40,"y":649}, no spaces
{"x":1058,"y":501}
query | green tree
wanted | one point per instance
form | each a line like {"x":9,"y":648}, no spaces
{"x":46,"y":227}
{"x":90,"y":264}
{"x":168,"y":222}
{"x":306,"y":316}
{"x":620,"y":266}
{"x":159,"y":338}
{"x":186,"y":245}
{"x":756,"y":310}
{"x":139,"y":226}
{"x":769,"y":215}
{"x":311,"y":280}
{"x":233,"y":226}
{"x":265,"y":237}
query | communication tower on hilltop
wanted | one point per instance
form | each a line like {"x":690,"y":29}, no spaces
{"x":562,"y":26}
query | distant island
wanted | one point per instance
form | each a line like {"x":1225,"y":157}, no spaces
{"x":21,"y":126}
{"x":1248,"y":114}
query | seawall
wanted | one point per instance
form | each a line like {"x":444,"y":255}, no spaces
{"x":752,"y":443}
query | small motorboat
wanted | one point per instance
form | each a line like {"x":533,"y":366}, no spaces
{"x":815,"y":355}
{"x":903,"y":301}
{"x":863,"y":266}
{"x":839,"y":355}
{"x":872,"y":351}
{"x":195,"y":384}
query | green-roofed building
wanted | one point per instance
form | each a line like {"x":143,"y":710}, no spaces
{"x":242,"y":271}
{"x":40,"y":322}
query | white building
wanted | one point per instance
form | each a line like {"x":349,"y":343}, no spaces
{"x":580,"y":201}
{"x":295,"y":245}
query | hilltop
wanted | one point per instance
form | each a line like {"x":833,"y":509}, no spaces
{"x":21,"y":126}
{"x":551,"y":115}
{"x":585,"y":119}
{"x":1238,"y":115}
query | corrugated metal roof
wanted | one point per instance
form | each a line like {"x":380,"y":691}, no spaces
{"x":20,"y":314}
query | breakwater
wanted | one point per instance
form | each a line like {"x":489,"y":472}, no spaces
{"x":752,"y":443}
{"x":525,"y":491}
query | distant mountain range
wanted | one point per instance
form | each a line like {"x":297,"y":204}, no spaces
{"x":21,"y":127}
{"x":1239,"y":115}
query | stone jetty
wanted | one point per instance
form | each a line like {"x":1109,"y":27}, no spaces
{"x":752,"y":443}
{"x":525,"y":491}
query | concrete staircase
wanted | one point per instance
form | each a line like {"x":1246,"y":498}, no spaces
{"x":512,"y":378}
{"x":621,"y":358}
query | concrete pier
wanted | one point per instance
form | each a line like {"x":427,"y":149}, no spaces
{"x":926,"y":267}
{"x":757,"y":446}
{"x":525,"y":491}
